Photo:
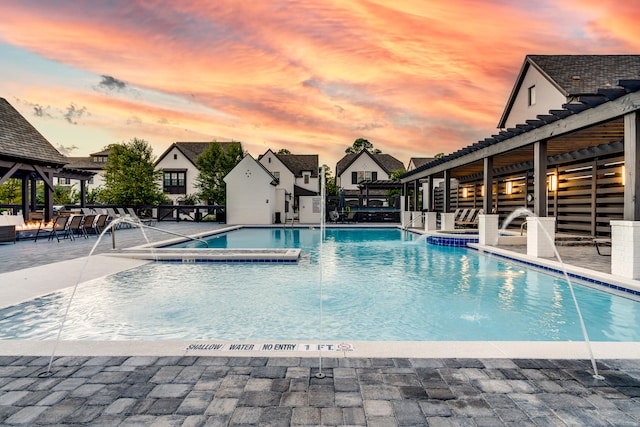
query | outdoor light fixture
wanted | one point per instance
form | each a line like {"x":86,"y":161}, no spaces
{"x":623,"y":175}
{"x":509,"y":188}
{"x":465,"y":192}
{"x":482,"y":191}
{"x":553,"y":182}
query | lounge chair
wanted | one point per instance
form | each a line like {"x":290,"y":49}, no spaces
{"x":59,"y":228}
{"x":470,"y":220}
{"x":602,"y":242}
{"x":135,"y":217}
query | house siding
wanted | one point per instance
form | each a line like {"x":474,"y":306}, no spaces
{"x":180,"y":163}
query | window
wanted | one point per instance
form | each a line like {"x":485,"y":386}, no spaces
{"x":532,"y":95}
{"x":64,"y":181}
{"x":306,"y":178}
{"x":276,"y":174}
{"x":175,"y":157}
{"x":358,"y":177}
{"x":175,"y":182}
{"x":90,"y":180}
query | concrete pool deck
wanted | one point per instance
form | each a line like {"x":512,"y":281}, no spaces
{"x":370,"y":383}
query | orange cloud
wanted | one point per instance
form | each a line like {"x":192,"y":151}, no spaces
{"x":415,"y":77}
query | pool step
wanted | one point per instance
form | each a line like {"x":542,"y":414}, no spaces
{"x":196,"y":255}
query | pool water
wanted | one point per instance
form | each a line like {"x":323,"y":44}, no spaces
{"x":377,"y":285}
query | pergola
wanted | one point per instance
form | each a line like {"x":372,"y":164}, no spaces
{"x":595,"y":126}
{"x":26,"y":155}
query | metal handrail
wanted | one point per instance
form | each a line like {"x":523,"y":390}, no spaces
{"x":141,"y":225}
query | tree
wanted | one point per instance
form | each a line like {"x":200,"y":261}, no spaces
{"x":10,"y":192}
{"x":438,"y":156}
{"x":361,"y":144}
{"x":65,"y":195}
{"x":130,"y":175}
{"x":283,"y":151}
{"x":213,"y":165}
{"x":330,"y":188}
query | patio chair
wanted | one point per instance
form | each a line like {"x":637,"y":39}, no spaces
{"x":102,"y":221}
{"x":76,"y":227}
{"x":334,"y":216}
{"x":89,"y":225}
{"x":59,"y":228}
{"x":471,"y":219}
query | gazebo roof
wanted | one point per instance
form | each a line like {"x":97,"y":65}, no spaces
{"x":19,"y":140}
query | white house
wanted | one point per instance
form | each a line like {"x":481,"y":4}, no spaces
{"x":352,"y":169}
{"x":297,"y":175}
{"x":94,"y":163}
{"x":251,"y":194}
{"x":546,"y":82}
{"x":179,"y":170}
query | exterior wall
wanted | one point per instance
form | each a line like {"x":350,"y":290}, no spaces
{"x":313,"y":185}
{"x":181,"y":162}
{"x":251,"y":199}
{"x":310,"y":207}
{"x":362,"y":163}
{"x":273,"y":164}
{"x":548,"y":97}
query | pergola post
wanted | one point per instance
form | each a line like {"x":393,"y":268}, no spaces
{"x":540,"y":178}
{"x":487,"y":181}
{"x":83,"y":193}
{"x":427,"y":196}
{"x":25,"y":197}
{"x":405,"y":192}
{"x":415,"y":195}
{"x":34,"y":193}
{"x":631,"y":166}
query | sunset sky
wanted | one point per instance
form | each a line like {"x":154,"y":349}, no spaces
{"x":414,"y":77}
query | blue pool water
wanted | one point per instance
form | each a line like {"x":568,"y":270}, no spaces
{"x":377,"y":284}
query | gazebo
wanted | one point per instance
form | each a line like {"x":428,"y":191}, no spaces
{"x":27,"y":155}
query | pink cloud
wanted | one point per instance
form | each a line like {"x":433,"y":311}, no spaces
{"x":416,"y":77}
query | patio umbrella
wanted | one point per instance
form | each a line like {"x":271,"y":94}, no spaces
{"x":341,"y":202}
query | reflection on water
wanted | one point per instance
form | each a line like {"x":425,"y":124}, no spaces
{"x":375,"y":287}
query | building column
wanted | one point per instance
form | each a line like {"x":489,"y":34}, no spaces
{"x":625,"y":249}
{"x":487,"y":181}
{"x":631,"y":167}
{"x":405,"y":193}
{"x":446,"y":205}
{"x":540,"y":179}
{"x":34,"y":194}
{"x":427,"y":194}
{"x":415,"y":196}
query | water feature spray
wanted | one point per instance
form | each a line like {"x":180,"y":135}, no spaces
{"x":526,"y":212}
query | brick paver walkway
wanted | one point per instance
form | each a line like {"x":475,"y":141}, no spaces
{"x":220,"y":391}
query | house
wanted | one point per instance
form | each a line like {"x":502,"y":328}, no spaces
{"x":547,"y":82}
{"x":95,"y":163}
{"x":179,"y":170}
{"x":251,"y":194}
{"x":353,"y":169}
{"x":297,"y":175}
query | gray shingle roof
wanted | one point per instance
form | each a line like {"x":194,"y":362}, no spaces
{"x":386,"y":161}
{"x":20,"y":140}
{"x":192,"y":149}
{"x":300,"y":162}
{"x":585,"y":74}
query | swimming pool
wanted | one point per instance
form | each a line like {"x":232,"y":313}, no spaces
{"x":377,"y":285}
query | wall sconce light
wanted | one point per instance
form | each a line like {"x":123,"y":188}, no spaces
{"x":509,"y":187}
{"x":465,"y":192}
{"x":482,"y":191}
{"x":623,"y":175}
{"x":553,"y":182}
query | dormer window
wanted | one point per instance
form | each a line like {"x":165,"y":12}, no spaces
{"x":175,"y":157}
{"x":531,"y":95}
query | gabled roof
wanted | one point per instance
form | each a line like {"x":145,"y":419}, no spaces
{"x":576,"y":75}
{"x":419,"y":161}
{"x":85,"y":163}
{"x":19,"y":140}
{"x":274,"y":180}
{"x":387,"y":162}
{"x":191,"y":150}
{"x":297,"y":163}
